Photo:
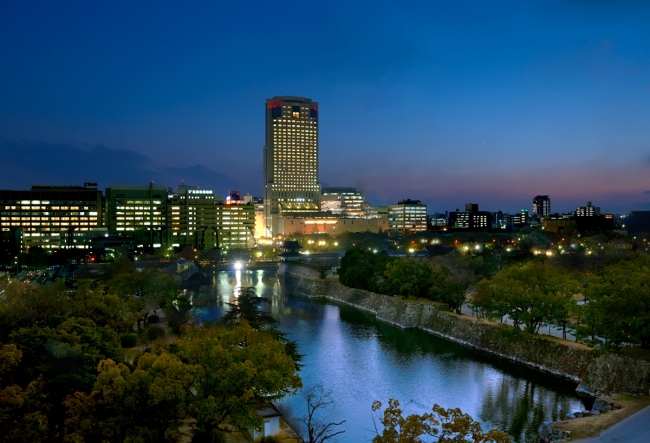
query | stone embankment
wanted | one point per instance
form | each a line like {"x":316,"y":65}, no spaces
{"x":605,"y":374}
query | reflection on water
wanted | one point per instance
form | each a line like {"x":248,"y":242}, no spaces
{"x":362,"y":360}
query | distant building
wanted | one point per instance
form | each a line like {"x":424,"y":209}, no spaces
{"x":560,"y":224}
{"x":290,"y":158}
{"x":541,"y":206}
{"x":500,"y":220}
{"x":637,"y":223}
{"x":48,"y":215}
{"x":260,"y":222}
{"x":521,"y":219}
{"x":344,"y":202}
{"x":589,"y":220}
{"x":193,"y":218}
{"x":138,"y":211}
{"x":328,"y":223}
{"x":407,"y":216}
{"x":471,"y":219}
{"x":587,"y":211}
{"x":437,"y":221}
{"x":236,"y":222}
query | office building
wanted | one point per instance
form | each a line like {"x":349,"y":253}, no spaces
{"x":344,"y":202}
{"x":541,"y":206}
{"x":521,"y":219}
{"x":560,"y":224}
{"x":290,"y":159}
{"x":471,"y":219}
{"x":407,"y":216}
{"x":48,"y":215}
{"x":193,"y":218}
{"x":236,"y":222}
{"x":138,"y":211}
{"x":587,"y":211}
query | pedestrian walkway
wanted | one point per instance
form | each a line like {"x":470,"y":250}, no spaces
{"x":551,"y":330}
{"x":634,"y":429}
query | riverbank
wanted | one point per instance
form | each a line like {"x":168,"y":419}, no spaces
{"x":587,"y":427}
{"x":596,"y":374}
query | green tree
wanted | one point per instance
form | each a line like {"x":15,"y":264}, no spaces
{"x":530,"y":295}
{"x":144,"y":291}
{"x":66,"y":357}
{"x":132,"y":405}
{"x":248,"y":308}
{"x":22,"y":412}
{"x":448,"y":287}
{"x":235,"y":370}
{"x":445,"y":425}
{"x":407,"y":278}
{"x":618,"y":304}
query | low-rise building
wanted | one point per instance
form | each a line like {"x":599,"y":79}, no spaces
{"x":560,"y":224}
{"x":327,"y":223}
{"x":193,"y":218}
{"x":343,"y":202}
{"x":138,"y":211}
{"x":48,"y":215}
{"x":236,"y":222}
{"x":407,"y":216}
{"x":471,"y":219}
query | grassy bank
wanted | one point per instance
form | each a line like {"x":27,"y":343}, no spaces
{"x":586,"y":427}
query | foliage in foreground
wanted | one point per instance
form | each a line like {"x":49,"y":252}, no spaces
{"x":63,"y":377}
{"x":445,"y":425}
{"x":214,"y":374}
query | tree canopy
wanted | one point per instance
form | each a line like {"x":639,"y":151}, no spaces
{"x":445,"y":425}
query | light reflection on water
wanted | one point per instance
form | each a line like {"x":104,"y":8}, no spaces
{"x":361,"y":360}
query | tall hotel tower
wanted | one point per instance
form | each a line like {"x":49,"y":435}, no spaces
{"x":290,"y":159}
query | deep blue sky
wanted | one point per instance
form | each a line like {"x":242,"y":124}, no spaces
{"x":446,"y":102}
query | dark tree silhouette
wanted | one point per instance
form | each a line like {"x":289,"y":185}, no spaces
{"x":314,"y":430}
{"x":248,"y":308}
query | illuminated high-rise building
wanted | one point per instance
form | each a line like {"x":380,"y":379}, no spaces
{"x":290,"y":159}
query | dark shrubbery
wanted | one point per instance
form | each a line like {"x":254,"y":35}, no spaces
{"x":153,"y":318}
{"x":363,"y":270}
{"x":403,"y":276}
{"x":155,"y":332}
{"x":128,"y":340}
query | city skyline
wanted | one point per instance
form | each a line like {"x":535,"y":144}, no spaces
{"x":431,"y":103}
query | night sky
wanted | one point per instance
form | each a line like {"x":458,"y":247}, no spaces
{"x":445,"y":102}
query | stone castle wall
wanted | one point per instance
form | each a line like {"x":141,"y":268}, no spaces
{"x":596,"y":374}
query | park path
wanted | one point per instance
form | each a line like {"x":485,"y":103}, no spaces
{"x":634,"y":429}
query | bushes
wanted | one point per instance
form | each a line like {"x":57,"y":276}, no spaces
{"x":153,"y":318}
{"x":128,"y":340}
{"x":155,"y":332}
{"x":363,"y":270}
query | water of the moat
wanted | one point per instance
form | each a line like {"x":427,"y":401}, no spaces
{"x":361,"y":360}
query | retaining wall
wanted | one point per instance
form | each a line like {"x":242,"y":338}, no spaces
{"x":605,"y":374}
